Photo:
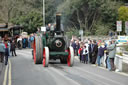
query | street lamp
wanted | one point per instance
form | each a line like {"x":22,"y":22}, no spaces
{"x":44,"y":13}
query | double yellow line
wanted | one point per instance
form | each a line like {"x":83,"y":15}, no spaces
{"x":8,"y":74}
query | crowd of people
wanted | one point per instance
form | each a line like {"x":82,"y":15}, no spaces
{"x":6,"y":48}
{"x":8,"y":45}
{"x":93,"y":51}
{"x":25,"y":42}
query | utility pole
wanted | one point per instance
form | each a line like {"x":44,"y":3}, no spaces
{"x":44,"y":13}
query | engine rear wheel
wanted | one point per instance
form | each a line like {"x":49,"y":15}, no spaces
{"x":70,"y":59}
{"x":45,"y":57}
{"x":37,"y":50}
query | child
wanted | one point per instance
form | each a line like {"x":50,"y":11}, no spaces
{"x":80,"y":52}
{"x":85,"y":55}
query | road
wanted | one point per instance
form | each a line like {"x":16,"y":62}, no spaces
{"x":23,"y":71}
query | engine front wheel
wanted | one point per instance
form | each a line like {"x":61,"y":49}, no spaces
{"x":70,"y":59}
{"x":45,"y":57}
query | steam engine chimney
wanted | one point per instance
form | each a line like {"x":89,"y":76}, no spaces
{"x":58,"y":22}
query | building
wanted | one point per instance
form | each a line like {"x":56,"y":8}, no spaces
{"x":10,"y":29}
{"x":15,"y":30}
{"x":3,"y":29}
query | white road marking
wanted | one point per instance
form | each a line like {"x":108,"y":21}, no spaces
{"x":10,"y":75}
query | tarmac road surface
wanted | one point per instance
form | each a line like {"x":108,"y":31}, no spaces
{"x":22,"y":71}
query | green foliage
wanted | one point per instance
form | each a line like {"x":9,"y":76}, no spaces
{"x":30,"y":21}
{"x":120,"y":53}
{"x":87,"y":33}
{"x":123,"y":13}
{"x":71,"y":32}
{"x":102,"y":29}
{"x":76,"y":14}
{"x":123,"y":16}
{"x":84,"y":14}
{"x":109,"y":11}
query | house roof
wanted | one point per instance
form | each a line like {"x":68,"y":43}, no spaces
{"x":9,"y":26}
{"x":3,"y":29}
{"x":3,"y":25}
{"x":16,"y":27}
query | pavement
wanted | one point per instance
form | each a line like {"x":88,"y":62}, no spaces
{"x":22,"y":71}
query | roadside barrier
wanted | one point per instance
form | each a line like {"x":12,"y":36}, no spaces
{"x":118,"y":62}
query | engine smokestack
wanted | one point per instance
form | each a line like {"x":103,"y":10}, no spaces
{"x":58,"y":22}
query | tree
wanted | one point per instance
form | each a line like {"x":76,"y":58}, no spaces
{"x":123,"y":16}
{"x":30,"y":21}
{"x":123,"y":13}
{"x":76,"y":14}
{"x":85,"y":14}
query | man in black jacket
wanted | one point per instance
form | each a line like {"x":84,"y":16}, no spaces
{"x":90,"y":48}
{"x":13,"y":46}
{"x":95,"y":51}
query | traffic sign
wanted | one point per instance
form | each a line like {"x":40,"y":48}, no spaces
{"x":43,"y":29}
{"x":119,"y":26}
{"x":122,"y":39}
{"x":81,"y":32}
{"x":126,"y":27}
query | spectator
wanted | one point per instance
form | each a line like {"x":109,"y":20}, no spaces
{"x":95,"y":51}
{"x":9,"y":47}
{"x":38,"y":31}
{"x":13,"y":46}
{"x":6,"y":52}
{"x":87,"y":48}
{"x":111,"y":34}
{"x":80,"y":52}
{"x":19,"y":41}
{"x":77,"y":46}
{"x":2,"y":50}
{"x":6,"y":37}
{"x":29,"y":42}
{"x":90,"y":48}
{"x":112,"y":51}
{"x":85,"y":55}
{"x":73,"y":44}
{"x":48,"y":27}
{"x":32,"y":40}
{"x":106,"y":60}
{"x":101,"y":49}
{"x":24,"y":42}
{"x":99,"y":42}
{"x":106,"y":52}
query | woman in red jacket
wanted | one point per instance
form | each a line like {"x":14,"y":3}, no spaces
{"x":6,"y":52}
{"x":80,"y":52}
